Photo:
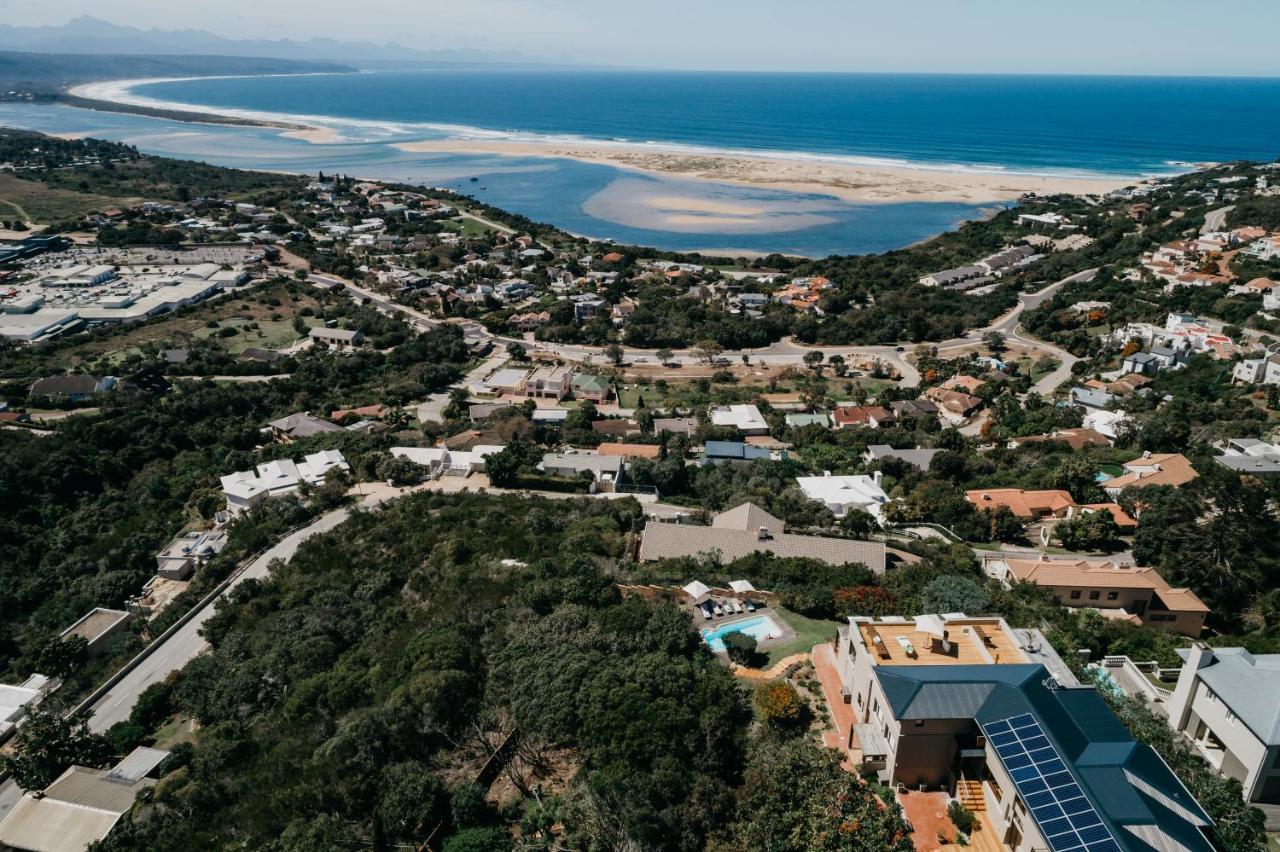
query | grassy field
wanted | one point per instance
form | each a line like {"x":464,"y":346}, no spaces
{"x":809,"y":632}
{"x":44,"y":204}
{"x":262,"y":333}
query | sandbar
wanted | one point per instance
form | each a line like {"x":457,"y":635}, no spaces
{"x":852,"y":182}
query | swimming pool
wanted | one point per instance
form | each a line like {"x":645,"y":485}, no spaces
{"x":761,"y":627}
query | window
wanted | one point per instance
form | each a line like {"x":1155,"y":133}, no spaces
{"x":1112,"y":595}
{"x":1093,"y":596}
{"x":1162,"y":616}
{"x":1075,"y":594}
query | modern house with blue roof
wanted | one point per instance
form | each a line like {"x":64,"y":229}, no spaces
{"x":969,"y":704}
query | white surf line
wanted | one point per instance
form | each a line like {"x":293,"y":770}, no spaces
{"x":121,"y":92}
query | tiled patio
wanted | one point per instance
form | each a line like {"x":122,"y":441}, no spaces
{"x":927,"y":813}
{"x":841,"y":714}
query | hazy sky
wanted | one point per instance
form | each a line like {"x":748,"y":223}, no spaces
{"x":1015,"y":36}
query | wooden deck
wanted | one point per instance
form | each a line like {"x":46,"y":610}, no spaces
{"x":971,"y":644}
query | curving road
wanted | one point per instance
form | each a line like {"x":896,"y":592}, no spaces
{"x":785,"y":352}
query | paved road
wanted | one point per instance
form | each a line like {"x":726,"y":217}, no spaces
{"x":785,"y":352}
{"x":1215,"y":219}
{"x":186,"y":643}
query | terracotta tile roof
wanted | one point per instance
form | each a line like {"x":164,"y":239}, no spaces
{"x":1157,"y":469}
{"x":1122,"y":518}
{"x":1103,"y":574}
{"x":1024,"y":504}
{"x":857,"y":415}
{"x":629,"y":451}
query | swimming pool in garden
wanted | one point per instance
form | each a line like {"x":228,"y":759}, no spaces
{"x":761,"y":627}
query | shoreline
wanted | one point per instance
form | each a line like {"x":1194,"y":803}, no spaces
{"x":841,"y":177}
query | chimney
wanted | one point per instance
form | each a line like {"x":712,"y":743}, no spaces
{"x":876,"y":476}
{"x":763,"y":534}
{"x":1199,"y":656}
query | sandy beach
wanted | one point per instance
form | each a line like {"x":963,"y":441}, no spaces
{"x":846,"y":181}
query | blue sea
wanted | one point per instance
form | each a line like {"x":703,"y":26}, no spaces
{"x":1037,"y":125}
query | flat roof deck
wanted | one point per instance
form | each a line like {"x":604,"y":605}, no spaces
{"x":973,"y":642}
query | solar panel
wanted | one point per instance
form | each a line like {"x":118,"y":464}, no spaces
{"x":1058,"y":805}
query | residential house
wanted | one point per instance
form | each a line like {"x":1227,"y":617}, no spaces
{"x":606,"y":471}
{"x":1141,"y":362}
{"x":616,"y":427}
{"x":509,"y":381}
{"x":17,"y":701}
{"x":993,"y":715}
{"x":717,"y":452}
{"x":1250,"y":456}
{"x":748,"y":529}
{"x":286,"y":430}
{"x":530,"y":321}
{"x":445,"y":461}
{"x":747,"y":419}
{"x":1107,"y":585}
{"x":844,"y":494}
{"x":72,"y":388}
{"x":1227,"y":703}
{"x":1027,"y":505}
{"x":953,"y":406}
{"x":1258,"y":371}
{"x":1076,"y":439}
{"x":338,"y":339}
{"x":592,"y":387}
{"x":675,"y":425}
{"x":863,"y":417}
{"x":914,"y":408}
{"x":549,"y":382}
{"x":629,"y":451}
{"x":1152,"y":469}
{"x":799,"y":421}
{"x":916,"y":457}
{"x":96,"y":627}
{"x":247,"y":489}
{"x":188,"y":551}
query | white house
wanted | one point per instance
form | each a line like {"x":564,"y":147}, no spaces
{"x":246,"y":489}
{"x":843,"y":494}
{"x":746,"y":418}
{"x":1227,"y":702}
{"x":446,"y":462}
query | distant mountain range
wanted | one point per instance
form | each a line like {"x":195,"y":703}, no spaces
{"x":49,"y":73}
{"x":89,"y":35}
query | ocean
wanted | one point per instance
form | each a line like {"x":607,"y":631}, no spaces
{"x":1092,"y":125}
{"x":1074,"y":126}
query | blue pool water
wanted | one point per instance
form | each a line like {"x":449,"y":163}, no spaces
{"x":761,"y":627}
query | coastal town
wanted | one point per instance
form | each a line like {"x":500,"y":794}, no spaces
{"x":433,"y":522}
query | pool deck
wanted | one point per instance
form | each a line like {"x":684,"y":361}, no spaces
{"x":788,"y":632}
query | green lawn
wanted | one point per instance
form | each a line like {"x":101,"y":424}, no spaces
{"x":270,"y":334}
{"x":469,"y":227}
{"x":809,"y":632}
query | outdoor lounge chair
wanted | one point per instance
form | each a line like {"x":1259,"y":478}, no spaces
{"x":718,"y":610}
{"x":706,"y":611}
{"x":751,"y":607}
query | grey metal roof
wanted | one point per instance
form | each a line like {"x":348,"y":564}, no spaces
{"x":1249,"y":685}
{"x":948,"y":701}
{"x":1258,"y":465}
{"x":916,"y":457}
{"x":138,"y":764}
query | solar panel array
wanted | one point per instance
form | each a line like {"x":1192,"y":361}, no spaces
{"x":1060,"y":808}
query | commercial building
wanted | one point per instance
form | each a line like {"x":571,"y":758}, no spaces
{"x":81,"y":806}
{"x":1126,"y":591}
{"x":749,"y":529}
{"x":974,"y":707}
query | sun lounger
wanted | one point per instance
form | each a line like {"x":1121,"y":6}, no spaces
{"x":751,"y":607}
{"x":718,"y":610}
{"x":907,"y":646}
{"x":706,"y":612}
